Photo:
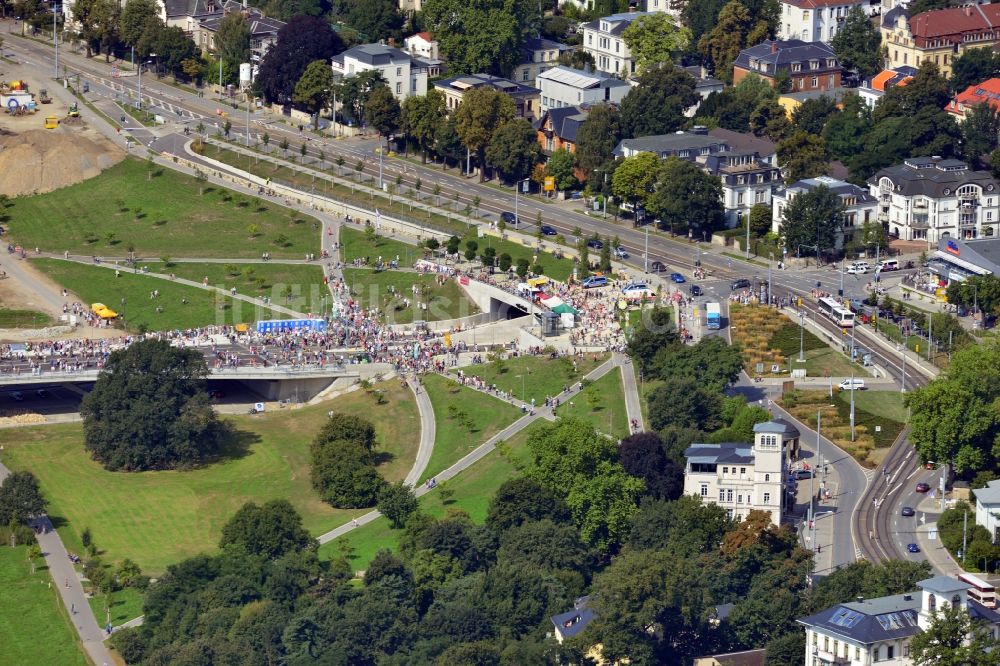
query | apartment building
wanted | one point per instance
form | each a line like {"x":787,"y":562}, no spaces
{"x":404,"y":74}
{"x":564,"y":86}
{"x":526,"y":98}
{"x":537,"y":56}
{"x":813,"y":20}
{"x":987,"y":92}
{"x":860,"y":206}
{"x":603,"y":40}
{"x":811,"y":66}
{"x":938,"y":36}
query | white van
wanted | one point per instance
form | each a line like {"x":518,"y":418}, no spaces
{"x":888,"y":265}
{"x":852,"y":385}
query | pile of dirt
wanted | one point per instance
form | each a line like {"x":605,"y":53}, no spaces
{"x":28,"y":418}
{"x":41,"y":160}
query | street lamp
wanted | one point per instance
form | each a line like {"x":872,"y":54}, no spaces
{"x":802,"y":334}
{"x":139,"y":79}
{"x":517,"y":187}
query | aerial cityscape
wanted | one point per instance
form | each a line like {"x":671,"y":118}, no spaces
{"x":500,"y":333}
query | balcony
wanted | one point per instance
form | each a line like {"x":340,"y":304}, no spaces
{"x":920,"y":205}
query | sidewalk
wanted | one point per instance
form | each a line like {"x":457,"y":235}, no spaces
{"x":929,"y":541}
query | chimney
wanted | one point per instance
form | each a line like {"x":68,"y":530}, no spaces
{"x":774,"y":46}
{"x":861,"y":600}
{"x":907,"y":597}
{"x":968,"y":10}
{"x":392,"y":42}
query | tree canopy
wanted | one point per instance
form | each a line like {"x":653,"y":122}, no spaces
{"x":482,"y":35}
{"x":657,"y":104}
{"x":685,"y":198}
{"x":482,"y":113}
{"x":304,"y":39}
{"x":20,"y":498}
{"x":812,"y":218}
{"x":150,"y":409}
{"x":312,"y":92}
{"x":271,"y":530}
{"x":513,"y":150}
{"x":654,"y":40}
{"x":858,"y":44}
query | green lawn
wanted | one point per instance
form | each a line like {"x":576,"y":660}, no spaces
{"x":821,"y":359}
{"x":126,"y":605}
{"x":24,"y":319}
{"x":559,"y":269}
{"x":528,"y":377}
{"x":162,"y":215}
{"x":386,"y":290}
{"x":473,"y":490}
{"x":203,"y":307}
{"x":158,"y":518}
{"x":464,"y":419}
{"x":354,"y":243}
{"x":258,"y":280}
{"x":881,"y":412}
{"x":34,"y":628}
{"x":602,"y":404}
{"x":887,"y":404}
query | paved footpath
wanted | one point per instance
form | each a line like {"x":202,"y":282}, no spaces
{"x":428,"y":432}
{"x":66,"y":578}
{"x":633,"y":400}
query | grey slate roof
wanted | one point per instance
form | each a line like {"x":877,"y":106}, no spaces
{"x":374,"y":54}
{"x":778,"y":426}
{"x":259,"y":24}
{"x":177,"y":8}
{"x":836,"y":186}
{"x":943,"y":585}
{"x":565,"y":121}
{"x":745,"y":141}
{"x":719,"y":453}
{"x":575,"y":621}
{"x":930,"y":177}
{"x":786,"y":53}
{"x":870,"y":621}
{"x":469,"y":81}
{"x":533,"y":44}
{"x":619,"y":21}
{"x":661,"y":144}
{"x":990,"y":494}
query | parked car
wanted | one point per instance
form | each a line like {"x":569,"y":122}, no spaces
{"x":549,"y":231}
{"x":912,"y":548}
{"x":620,"y":253}
{"x":677,"y":277}
{"x":695,"y":290}
{"x":852,"y":385}
{"x":595,"y":244}
{"x":594,"y":281}
{"x":923,"y":487}
{"x":657,"y":267}
{"x":741,"y":283}
{"x":803,"y":474}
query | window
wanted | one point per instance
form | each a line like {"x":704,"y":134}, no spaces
{"x":767,"y":477}
{"x":767,"y":498}
{"x":826,"y":644}
{"x":729,"y":495}
{"x":877,"y":653}
{"x":857,"y":654}
{"x":704,"y":490}
{"x":956,"y":601}
{"x":399,"y":88}
{"x":722,"y":495}
{"x":743,"y":470}
{"x":524,"y":75}
{"x":399,"y":71}
{"x":725,"y":470}
{"x":890,"y":652}
{"x":906,"y":649}
{"x":931,"y":603}
{"x":739,"y":499}
{"x":836,"y":644}
{"x":739,"y":198}
{"x":815,"y":82}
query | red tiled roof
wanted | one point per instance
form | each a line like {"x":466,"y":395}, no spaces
{"x":955,"y":21}
{"x":425,"y":35}
{"x":816,"y":4}
{"x":988,"y":91}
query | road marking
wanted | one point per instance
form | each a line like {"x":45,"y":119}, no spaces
{"x":912,"y":473}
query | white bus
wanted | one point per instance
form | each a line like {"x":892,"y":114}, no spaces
{"x":981,"y":591}
{"x":832,"y":308}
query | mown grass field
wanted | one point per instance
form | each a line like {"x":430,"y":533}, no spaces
{"x":601,"y":404}
{"x":387,"y":291}
{"x":203,"y":307}
{"x":24,"y":319}
{"x":354,"y":244}
{"x":34,"y":628}
{"x":528,"y":377}
{"x":473,"y":490}
{"x":125,"y":605}
{"x":159,"y":518}
{"x":166,"y":214}
{"x":464,"y":419}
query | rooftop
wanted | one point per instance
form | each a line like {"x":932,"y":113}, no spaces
{"x":955,"y":21}
{"x":575,"y":621}
{"x":990,"y":494}
{"x":580,"y":78}
{"x":840,"y":187}
{"x":933,"y":177}
{"x":943,"y":585}
{"x":565,"y":121}
{"x":374,"y":54}
{"x":469,"y":81}
{"x":670,"y":143}
{"x":712,"y":454}
{"x":872,"y":620}
{"x":745,"y":141}
{"x":778,"y":426}
{"x":618,"y":21}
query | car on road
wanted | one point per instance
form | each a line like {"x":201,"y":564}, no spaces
{"x":803,"y":474}
{"x":912,"y":548}
{"x":859,"y":268}
{"x":216,"y":395}
{"x":678,"y":278}
{"x":907,"y":511}
{"x":549,"y":230}
{"x":42,"y":393}
{"x":595,"y":244}
{"x":852,"y":385}
{"x":923,"y":487}
{"x":657,"y":267}
{"x":508,"y":217}
{"x":741,"y":283}
{"x":695,"y":290}
{"x":17,"y":395}
{"x":620,"y":253}
{"x":594,"y":281}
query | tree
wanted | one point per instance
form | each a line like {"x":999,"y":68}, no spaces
{"x":657,"y":104}
{"x":982,"y":291}
{"x":20,"y":498}
{"x":655,"y":332}
{"x":173,"y":47}
{"x":98,"y":22}
{"x":343,"y":463}
{"x":232,"y":41}
{"x":150,"y":409}
{"x":920,"y":6}
{"x":858,"y":44}
{"x":950,"y":423}
{"x":770,"y":119}
{"x":635,"y":178}
{"x":576,"y":58}
{"x":354,"y":92}
{"x":715,"y":364}
{"x":684,"y":403}
{"x":482,"y":112}
{"x":135,"y":14}
{"x":522,"y":499}
{"x":760,"y":220}
{"x":686,"y":198}
{"x":270,"y":530}
{"x":301,"y":41}
{"x":545,"y":545}
{"x":312,"y":92}
{"x":422,"y":119}
{"x":980,"y":133}
{"x":812,"y":218}
{"x":844,"y":132}
{"x":972,"y":67}
{"x":597,"y":138}
{"x":812,"y":115}
{"x":484,"y":36}
{"x":377,"y":19}
{"x":513,"y":150}
{"x":735,"y":29}
{"x":642,"y":456}
{"x":802,"y":156}
{"x":382,"y":112}
{"x":954,"y":638}
{"x":654,"y":39}
{"x":560,"y":167}
{"x":397,"y":502}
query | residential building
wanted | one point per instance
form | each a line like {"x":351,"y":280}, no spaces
{"x":422,"y":45}
{"x":878,"y":632}
{"x":939,"y":36}
{"x":603,"y":40}
{"x":860,"y":206}
{"x":695,"y":145}
{"x":526,"y":98}
{"x":793,"y":100}
{"x":573,"y":622}
{"x":564,"y":86}
{"x":747,"y":180}
{"x":557,"y":128}
{"x":671,"y":7}
{"x":872,"y":90}
{"x":928,"y":198}
{"x":404,"y":74}
{"x":988,"y":508}
{"x":766,"y":150}
{"x":704,"y":85}
{"x":537,"y":55}
{"x":743,"y":477}
{"x":410,"y":6}
{"x":744,"y":658}
{"x":813,"y":20}
{"x":987,"y":92}
{"x":811,"y":66}
{"x":263,"y":31}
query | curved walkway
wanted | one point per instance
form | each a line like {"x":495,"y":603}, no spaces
{"x":67,"y":580}
{"x":428,"y":432}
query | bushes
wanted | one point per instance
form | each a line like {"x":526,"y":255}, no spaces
{"x":343,"y":462}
